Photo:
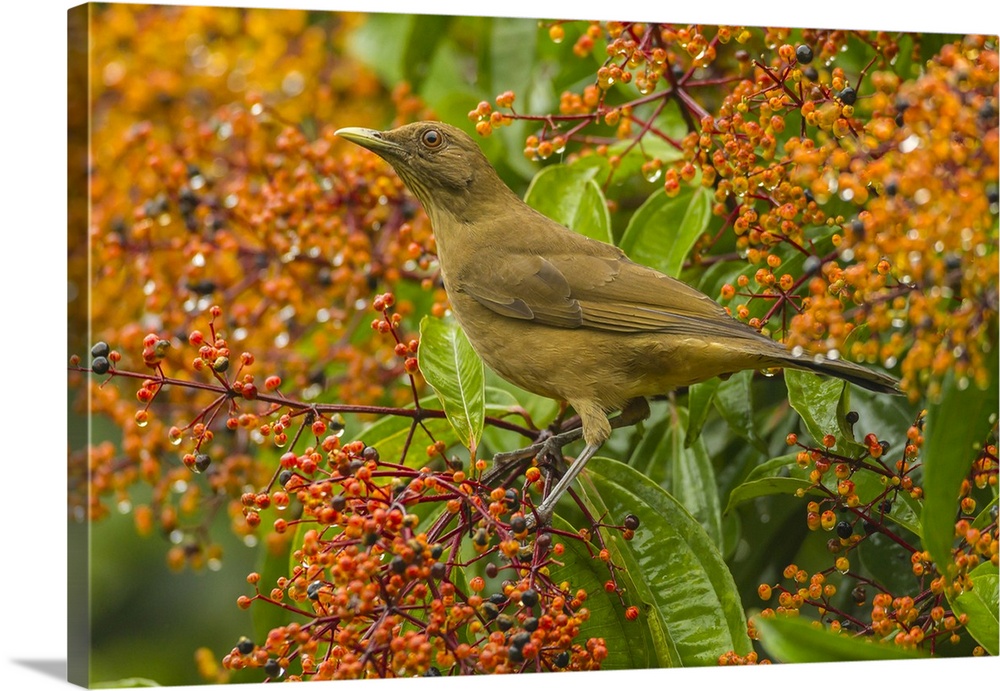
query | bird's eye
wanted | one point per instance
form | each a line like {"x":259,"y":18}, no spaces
{"x":432,"y":139}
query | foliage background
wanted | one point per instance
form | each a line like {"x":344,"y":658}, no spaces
{"x":117,"y":535}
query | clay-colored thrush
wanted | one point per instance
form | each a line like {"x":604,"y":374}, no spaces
{"x":560,"y":314}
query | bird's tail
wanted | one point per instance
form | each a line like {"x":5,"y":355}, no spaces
{"x":842,"y":369}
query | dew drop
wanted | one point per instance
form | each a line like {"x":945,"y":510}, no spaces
{"x":214,"y":564}
{"x":798,"y":351}
{"x":124,"y":506}
{"x":653,"y":174}
{"x":909,"y":144}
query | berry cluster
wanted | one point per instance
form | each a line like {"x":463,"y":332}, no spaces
{"x":383,"y":555}
{"x":384,"y":550}
{"x":921,"y":618}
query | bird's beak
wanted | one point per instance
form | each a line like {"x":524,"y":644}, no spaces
{"x":373,"y":140}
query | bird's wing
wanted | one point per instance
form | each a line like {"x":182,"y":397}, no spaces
{"x":607,"y":293}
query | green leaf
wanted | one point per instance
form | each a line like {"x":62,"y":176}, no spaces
{"x":663,"y":230}
{"x":672,"y":569}
{"x":512,"y":49}
{"x":780,"y":475}
{"x":887,"y":561}
{"x":455,"y":372}
{"x":388,"y":434}
{"x":630,"y":645}
{"x":732,"y":400}
{"x":684,"y":471}
{"x":700,"y":398}
{"x":955,"y":429}
{"x":501,"y":398}
{"x":787,"y":639}
{"x":981,"y":604}
{"x":380,"y":43}
{"x":905,"y":509}
{"x":822,"y":403}
{"x":983,"y":518}
{"x":426,"y":32}
{"x":569,"y":195}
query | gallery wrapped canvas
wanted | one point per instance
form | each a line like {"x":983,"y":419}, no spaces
{"x":288,"y":460}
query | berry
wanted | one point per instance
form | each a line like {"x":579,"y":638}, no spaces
{"x":244,"y":645}
{"x":201,"y":462}
{"x":804,"y":54}
{"x":518,"y":640}
{"x":848,"y":96}
{"x":631,"y":522}
{"x":562,"y":659}
{"x":529,"y":598}
{"x":100,"y":365}
{"x":100,"y":349}
{"x":272,"y":668}
{"x":844,"y":530}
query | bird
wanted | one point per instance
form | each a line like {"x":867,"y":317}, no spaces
{"x":565,"y":316}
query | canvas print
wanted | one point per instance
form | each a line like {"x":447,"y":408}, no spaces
{"x":422,"y":345}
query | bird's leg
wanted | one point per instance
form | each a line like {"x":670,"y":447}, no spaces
{"x":543,"y":512}
{"x":634,"y":411}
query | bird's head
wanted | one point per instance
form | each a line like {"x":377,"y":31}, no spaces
{"x":440,"y":164}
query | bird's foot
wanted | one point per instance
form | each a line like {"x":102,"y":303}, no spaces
{"x":550,"y":447}
{"x":540,"y":517}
